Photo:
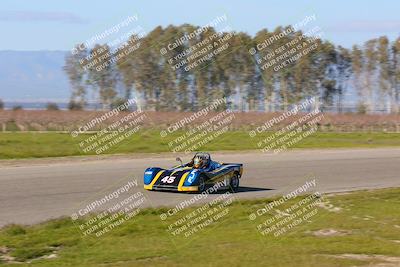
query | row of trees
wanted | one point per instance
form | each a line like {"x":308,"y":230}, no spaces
{"x":328,"y":72}
{"x":49,"y":106}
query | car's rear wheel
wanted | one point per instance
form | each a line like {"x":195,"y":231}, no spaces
{"x":202,"y":184}
{"x":234,"y":183}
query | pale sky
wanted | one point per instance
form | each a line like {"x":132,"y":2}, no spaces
{"x":58,"y":25}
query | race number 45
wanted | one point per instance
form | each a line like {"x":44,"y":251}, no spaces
{"x":168,"y":179}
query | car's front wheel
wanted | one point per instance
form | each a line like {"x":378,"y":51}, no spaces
{"x":234,"y":183}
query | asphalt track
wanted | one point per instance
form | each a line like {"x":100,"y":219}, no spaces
{"x":32,"y":191}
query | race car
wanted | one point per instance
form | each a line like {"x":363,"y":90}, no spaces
{"x":196,"y":176}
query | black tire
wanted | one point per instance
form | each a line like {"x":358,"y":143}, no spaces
{"x":202,"y":184}
{"x":234,"y":183}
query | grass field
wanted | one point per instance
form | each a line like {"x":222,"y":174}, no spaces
{"x":31,"y":144}
{"x":363,"y":228}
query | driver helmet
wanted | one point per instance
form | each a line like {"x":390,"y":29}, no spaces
{"x":198,"y":162}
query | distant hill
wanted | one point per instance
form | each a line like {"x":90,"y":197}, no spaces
{"x":31,"y":75}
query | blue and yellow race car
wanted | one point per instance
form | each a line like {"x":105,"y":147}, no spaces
{"x":196,"y":176}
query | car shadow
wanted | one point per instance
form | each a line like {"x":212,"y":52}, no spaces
{"x":252,"y":189}
{"x":242,"y":189}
